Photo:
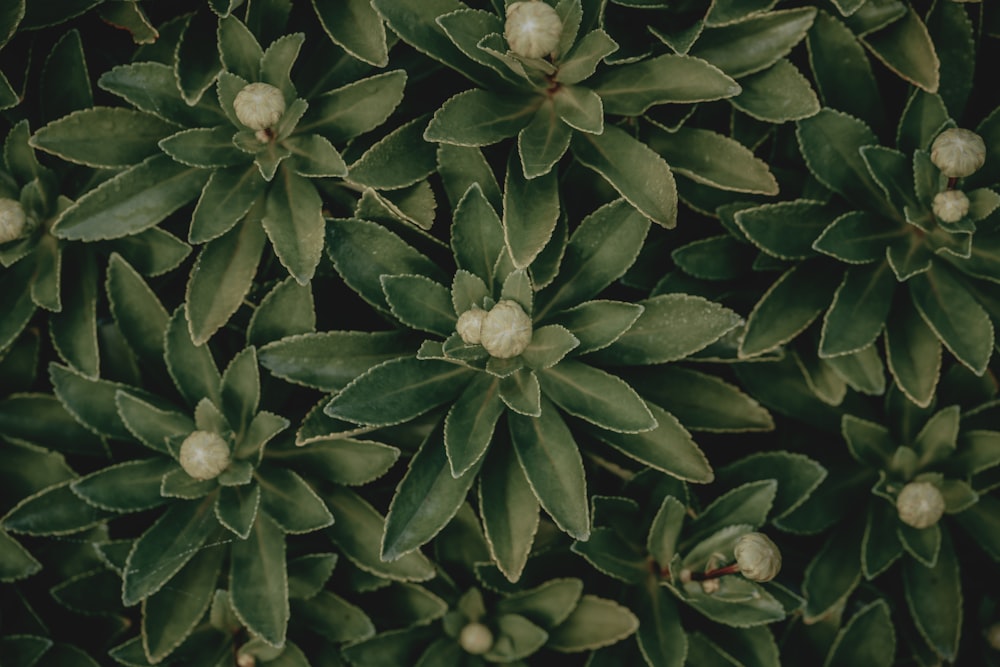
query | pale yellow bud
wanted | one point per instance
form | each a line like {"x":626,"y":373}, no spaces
{"x":958,"y":153}
{"x":532,"y":29}
{"x":470,"y":325}
{"x":993,"y":636}
{"x":920,"y":504}
{"x":259,"y":106}
{"x":506,"y":330}
{"x":204,"y":455}
{"x":757,"y":556}
{"x":475,"y":638}
{"x":12,"y":220}
{"x":950,"y":205}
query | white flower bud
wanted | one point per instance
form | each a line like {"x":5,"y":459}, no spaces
{"x":950,"y":205}
{"x":204,"y":455}
{"x":533,"y":28}
{"x":758,"y":557}
{"x":920,"y":504}
{"x":993,"y":636}
{"x":12,"y":220}
{"x":475,"y":638}
{"x":506,"y":330}
{"x":259,"y":106}
{"x":958,"y":153}
{"x":470,"y":325}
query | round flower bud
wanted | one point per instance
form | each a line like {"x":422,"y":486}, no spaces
{"x":920,"y":504}
{"x":470,"y":325}
{"x":950,"y":205}
{"x":506,"y":330}
{"x":533,"y":28}
{"x":993,"y":636}
{"x":204,"y":455}
{"x":259,"y":106}
{"x":958,"y":153}
{"x":12,"y":220}
{"x":475,"y":638}
{"x":757,"y":556}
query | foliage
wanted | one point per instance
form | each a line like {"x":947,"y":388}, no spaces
{"x":380,"y":332}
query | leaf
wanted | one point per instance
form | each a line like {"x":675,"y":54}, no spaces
{"x":786,"y":230}
{"x":954,"y":316}
{"x":356,"y":27}
{"x":509,"y":511}
{"x":103,"y":136}
{"x":597,"y":324}
{"x":671,"y":327}
{"x":592,"y":261}
{"x":398,"y":160}
{"x":152,"y":87}
{"x":355,"y":108}
{"x":41,"y":419}
{"x":330,"y":360}
{"x":131,"y":201}
{"x":867,"y":639}
{"x":468,"y":427}
{"x":905,"y":47}
{"x":152,"y":252}
{"x":934,"y":597}
{"x":755,"y":43}
{"x":287,"y":310}
{"x":141,"y":318}
{"x":788,"y":307}
{"x":221,"y":277}
{"x":258,"y":585}
{"x":913,"y":353}
{"x":713,"y":159}
{"x":204,"y":147}
{"x":420,"y":303}
{"x":859,"y":237}
{"x":358,"y":532}
{"x":91,"y":402}
{"x":480,"y":118}
{"x":53,"y":511}
{"x":595,"y":622}
{"x":580,"y":108}
{"x":553,"y":467}
{"x":777,"y":94}
{"x":131,"y":486}
{"x":238,"y":49}
{"x":15,"y":561}
{"x":197,"y":60}
{"x":333,"y":618}
{"x":797,"y":476}
{"x":543,"y":141}
{"x":240,"y":390}
{"x":74,"y":328}
{"x":596,"y":396}
{"x":462,"y":166}
{"x":293,"y":220}
{"x":236,"y":508}
{"x":426,"y":499}
{"x":630,"y":89}
{"x":293,"y":505}
{"x":171,"y":614}
{"x":834,"y":572}
{"x":859,"y":310}
{"x":398,"y":390}
{"x":530,"y":211}
{"x":161,"y":551}
{"x":640,"y":175}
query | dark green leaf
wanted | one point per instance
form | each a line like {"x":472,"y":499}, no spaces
{"x":913,"y":353}
{"x":362,"y":105}
{"x":54,"y":510}
{"x":714,"y":159}
{"x":333,"y":618}
{"x":755,"y":43}
{"x":859,"y":309}
{"x":131,"y":486}
{"x":595,"y":622}
{"x":786,"y":230}
{"x":628,"y":90}
{"x":468,"y":428}
{"x":867,"y":639}
{"x":481,"y":117}
{"x":356,"y":27}
{"x":934,"y":597}
{"x":509,"y":511}
{"x":236,"y":508}
{"x":906,"y":48}
{"x":777,"y":94}
{"x":259,"y":581}
{"x":834,"y":572}
{"x":291,"y":502}
{"x":103,"y":136}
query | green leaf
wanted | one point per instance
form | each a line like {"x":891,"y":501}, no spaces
{"x":74,"y":328}
{"x":859,"y":309}
{"x":600,"y":251}
{"x":421,"y":303}
{"x":859,"y":237}
{"x":307,"y":575}
{"x":755,"y":43}
{"x":358,"y":533}
{"x":349,"y":111}
{"x":333,"y":618}
{"x":166,"y":547}
{"x":287,"y":310}
{"x":40,"y":419}
{"x":152,"y":252}
{"x":53,"y":511}
{"x":597,"y":324}
{"x":640,"y":175}
{"x":954,"y":316}
{"x":356,"y":27}
{"x":630,"y":89}
{"x":620,"y":559}
{"x":462,"y":166}
{"x":398,"y":390}
{"x":530,"y":211}
{"x":468,"y":428}
{"x":339,"y":459}
{"x":905,"y":47}
{"x":660,"y":635}
{"x":671,"y":327}
{"x":923,"y":544}
{"x":665,"y":530}
{"x":938,"y":438}
{"x":509,"y":511}
{"x":934,"y":597}
{"x":830,"y":143}
{"x":777,"y":94}
{"x":713,"y":159}
{"x":259,"y":581}
{"x":797,"y":477}
{"x":480,"y":118}
{"x":331,"y":359}
{"x":204,"y":147}
{"x":313,"y":156}
{"x":236,"y":508}
{"x":596,"y":396}
{"x":131,"y":201}
{"x":363,"y":251}
{"x":91,"y":402}
{"x":402,"y":158}
{"x":834,"y":572}
{"x":543,"y":141}
{"x":221,"y":278}
{"x":701,"y":402}
{"x":748,"y":504}
{"x":191,"y":367}
{"x":106,"y":137}
{"x":131,"y":486}
{"x":553,"y":467}
{"x":786,"y":230}
{"x":788,"y":307}
{"x":141,"y":318}
{"x":291,"y":502}
{"x":668,"y":448}
{"x":152,"y":87}
{"x":913,"y":353}
{"x":426,"y":499}
{"x":521,"y":392}
{"x":171,"y":614}
{"x":595,"y":622}
{"x":197,"y":59}
{"x":867,"y":639}
{"x":154,"y":427}
{"x":15,"y":301}
{"x":580,"y":108}
{"x":293,"y":220}
{"x":15,"y":561}
{"x":238,"y":48}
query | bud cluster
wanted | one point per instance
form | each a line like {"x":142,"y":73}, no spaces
{"x":505,"y":330}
